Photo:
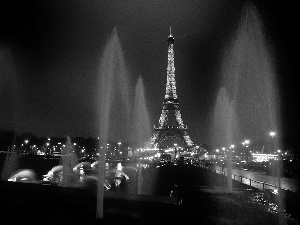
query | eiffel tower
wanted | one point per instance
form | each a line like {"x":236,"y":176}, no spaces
{"x":170,"y":125}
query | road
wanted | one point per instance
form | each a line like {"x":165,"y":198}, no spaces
{"x":261,"y":180}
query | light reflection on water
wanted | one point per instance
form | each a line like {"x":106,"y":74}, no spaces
{"x":119,"y":166}
{"x":120,"y":176}
{"x":119,"y":171}
{"x":262,"y":199}
{"x":126,"y":167}
{"x":115,"y":174}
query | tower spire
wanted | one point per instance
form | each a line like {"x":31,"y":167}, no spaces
{"x":170,"y":39}
{"x":171,"y":83}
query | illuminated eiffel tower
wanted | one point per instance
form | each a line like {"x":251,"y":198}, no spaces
{"x":170,"y":125}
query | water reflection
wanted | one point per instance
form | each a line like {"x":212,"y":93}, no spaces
{"x":267,"y":201}
{"x":119,"y":176}
{"x":23,"y":175}
{"x":85,"y":174}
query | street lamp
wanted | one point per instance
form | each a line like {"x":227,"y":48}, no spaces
{"x":119,"y":143}
{"x":229,"y":168}
{"x":272,"y":134}
{"x":246,"y":142}
{"x":26,"y":142}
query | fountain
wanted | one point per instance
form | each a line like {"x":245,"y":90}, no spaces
{"x":114,"y":106}
{"x":141,"y":125}
{"x":69,"y":161}
{"x":67,"y":174}
{"x":8,"y":87}
{"x":85,"y":167}
{"x":141,"y":130}
{"x":249,"y":94}
{"x":223,"y":127}
{"x":249,"y":79}
{"x":115,"y":109}
{"x":10,"y":164}
{"x":23,"y":175}
{"x":54,"y":176}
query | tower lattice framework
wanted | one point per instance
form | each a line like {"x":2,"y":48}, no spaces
{"x":170,"y":125}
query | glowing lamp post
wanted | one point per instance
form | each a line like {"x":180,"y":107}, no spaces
{"x":246,"y":144}
{"x":272,"y":134}
{"x":48,"y":151}
{"x":217,"y":153}
{"x":279,"y":153}
{"x":278,"y":172}
{"x":26,"y":142}
{"x":107,"y":149}
{"x":119,"y":143}
{"x":229,"y":168}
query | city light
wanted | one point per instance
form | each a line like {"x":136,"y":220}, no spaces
{"x":257,"y":157}
{"x":272,"y":134}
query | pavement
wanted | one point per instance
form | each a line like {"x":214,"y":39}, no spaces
{"x":258,"y":178}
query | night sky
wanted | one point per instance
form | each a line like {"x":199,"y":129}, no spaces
{"x":50,"y":53}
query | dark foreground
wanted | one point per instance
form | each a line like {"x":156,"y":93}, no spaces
{"x":200,"y":197}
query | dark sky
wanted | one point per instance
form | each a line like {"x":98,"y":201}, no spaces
{"x":50,"y":53}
